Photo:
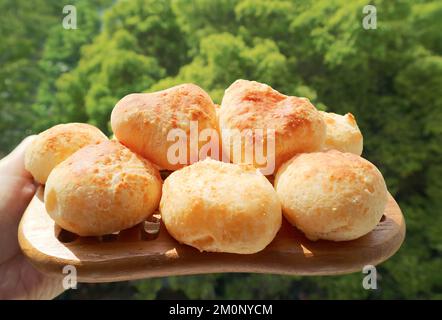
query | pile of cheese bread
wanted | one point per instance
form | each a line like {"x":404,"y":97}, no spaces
{"x":321,"y":185}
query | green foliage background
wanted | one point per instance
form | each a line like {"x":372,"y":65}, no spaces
{"x":390,"y":78}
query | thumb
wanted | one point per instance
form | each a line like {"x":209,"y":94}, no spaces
{"x":16,"y":190}
{"x":14,"y":163}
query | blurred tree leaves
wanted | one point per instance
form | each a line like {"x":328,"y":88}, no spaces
{"x":24,"y":27}
{"x":390,"y":78}
{"x":61,"y":54}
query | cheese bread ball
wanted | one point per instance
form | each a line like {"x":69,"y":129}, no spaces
{"x":256,"y":107}
{"x":221,"y":207}
{"x":56,"y":144}
{"x":102,"y":189}
{"x":343,"y":133}
{"x":331,"y":195}
{"x":144,"y":123}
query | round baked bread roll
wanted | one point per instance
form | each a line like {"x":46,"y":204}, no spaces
{"x":221,"y":207}
{"x":56,"y":144}
{"x":331,"y":195}
{"x":343,"y":133}
{"x":102,"y":189}
{"x":248,"y":105}
{"x":143,"y":122}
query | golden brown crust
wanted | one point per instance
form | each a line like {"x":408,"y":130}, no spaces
{"x":221,"y":207}
{"x":142,"y":121}
{"x":56,"y":144}
{"x":101,"y":189}
{"x":343,"y":133}
{"x":252,"y":105}
{"x":331,"y":195}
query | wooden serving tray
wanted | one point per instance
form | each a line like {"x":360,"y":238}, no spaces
{"x":135,"y":254}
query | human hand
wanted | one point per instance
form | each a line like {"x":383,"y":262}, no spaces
{"x":18,"y":278}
